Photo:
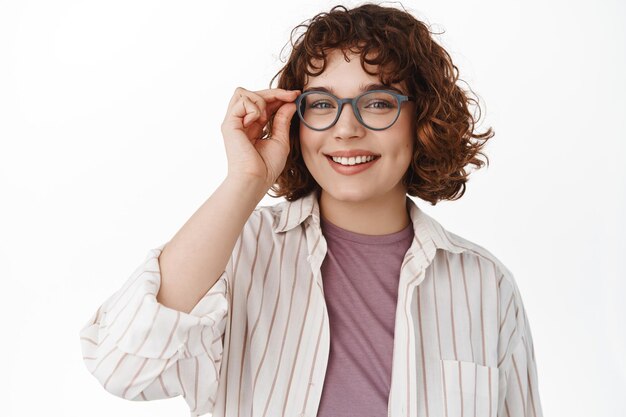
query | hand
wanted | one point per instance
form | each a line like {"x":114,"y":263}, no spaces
{"x":248,"y":113}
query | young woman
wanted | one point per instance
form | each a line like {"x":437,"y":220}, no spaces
{"x":346,"y":299}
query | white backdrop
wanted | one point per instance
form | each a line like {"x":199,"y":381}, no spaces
{"x":110,"y":139}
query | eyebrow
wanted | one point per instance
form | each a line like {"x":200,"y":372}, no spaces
{"x":362,"y":87}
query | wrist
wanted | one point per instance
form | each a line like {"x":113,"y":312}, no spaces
{"x":252,"y":184}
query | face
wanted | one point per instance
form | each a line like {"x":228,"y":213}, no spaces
{"x":393,"y":147}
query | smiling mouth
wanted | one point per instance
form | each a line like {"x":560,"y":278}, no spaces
{"x":351,"y":169}
{"x":375,"y":157}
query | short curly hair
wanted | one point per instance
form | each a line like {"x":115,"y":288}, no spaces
{"x":402,"y":48}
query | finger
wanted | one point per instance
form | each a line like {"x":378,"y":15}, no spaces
{"x":274,"y":105}
{"x":282,"y":122}
{"x":276,"y":96}
{"x":248,"y":111}
{"x":257,"y":100}
{"x":273,"y":93}
{"x":241,"y":92}
{"x":267,"y":102}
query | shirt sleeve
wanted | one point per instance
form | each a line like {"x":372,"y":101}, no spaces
{"x":519,"y":389}
{"x":138,"y":349}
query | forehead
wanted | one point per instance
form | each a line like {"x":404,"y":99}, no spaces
{"x":344,"y":71}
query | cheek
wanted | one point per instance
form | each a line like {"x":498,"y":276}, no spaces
{"x":307,"y":150}
{"x":309,"y":142}
{"x":404,"y":137}
{"x":406,"y":130}
{"x":304,"y":142}
{"x":408,"y":146}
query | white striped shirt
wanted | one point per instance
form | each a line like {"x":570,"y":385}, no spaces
{"x":257,"y":343}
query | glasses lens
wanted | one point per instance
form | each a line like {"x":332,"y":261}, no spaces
{"x":378,"y":109}
{"x":318,"y":110}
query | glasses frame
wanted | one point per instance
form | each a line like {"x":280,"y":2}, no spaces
{"x":400,"y":98}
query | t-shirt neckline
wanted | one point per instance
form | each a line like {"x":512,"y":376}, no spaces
{"x":338,"y":232}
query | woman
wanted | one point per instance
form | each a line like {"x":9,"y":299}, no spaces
{"x":346,"y":299}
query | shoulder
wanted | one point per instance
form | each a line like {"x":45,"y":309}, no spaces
{"x":510,"y":297}
{"x":270,"y":215}
{"x":453,"y":243}
{"x":475,"y":249}
{"x":264,"y":221}
{"x":286,"y":216}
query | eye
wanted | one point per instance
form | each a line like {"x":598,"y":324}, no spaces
{"x":380,"y":104}
{"x":321,"y":104}
{"x":379,"y":101}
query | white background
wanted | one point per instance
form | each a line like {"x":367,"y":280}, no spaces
{"x":110,"y":118}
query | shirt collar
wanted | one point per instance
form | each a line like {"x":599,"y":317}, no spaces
{"x":428,"y":232}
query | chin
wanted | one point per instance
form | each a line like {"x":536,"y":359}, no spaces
{"x":346,"y":193}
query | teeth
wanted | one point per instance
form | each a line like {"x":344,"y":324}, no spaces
{"x":352,"y":160}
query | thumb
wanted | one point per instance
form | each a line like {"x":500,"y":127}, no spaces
{"x":282,"y":122}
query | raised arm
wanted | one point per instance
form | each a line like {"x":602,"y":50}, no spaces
{"x":161,"y":334}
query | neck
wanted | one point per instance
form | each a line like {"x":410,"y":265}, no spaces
{"x":381,"y":215}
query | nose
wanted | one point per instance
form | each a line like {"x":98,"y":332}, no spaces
{"x":348,"y":125}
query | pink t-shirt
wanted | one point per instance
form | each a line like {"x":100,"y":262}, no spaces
{"x":360,"y":274}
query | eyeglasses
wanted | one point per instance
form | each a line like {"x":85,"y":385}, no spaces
{"x":376,"y":109}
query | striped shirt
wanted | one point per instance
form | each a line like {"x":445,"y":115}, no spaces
{"x":257,"y":343}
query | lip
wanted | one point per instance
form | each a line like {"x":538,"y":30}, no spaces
{"x":352,"y":169}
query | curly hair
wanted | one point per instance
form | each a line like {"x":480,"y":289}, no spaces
{"x":404,"y":52}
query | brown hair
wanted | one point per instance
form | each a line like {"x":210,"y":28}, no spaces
{"x":405,"y":53}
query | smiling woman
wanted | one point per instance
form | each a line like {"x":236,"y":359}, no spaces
{"x":346,"y":299}
{"x":358,"y":198}
{"x":395,"y":52}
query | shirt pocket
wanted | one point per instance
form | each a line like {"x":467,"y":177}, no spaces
{"x":469,"y":389}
